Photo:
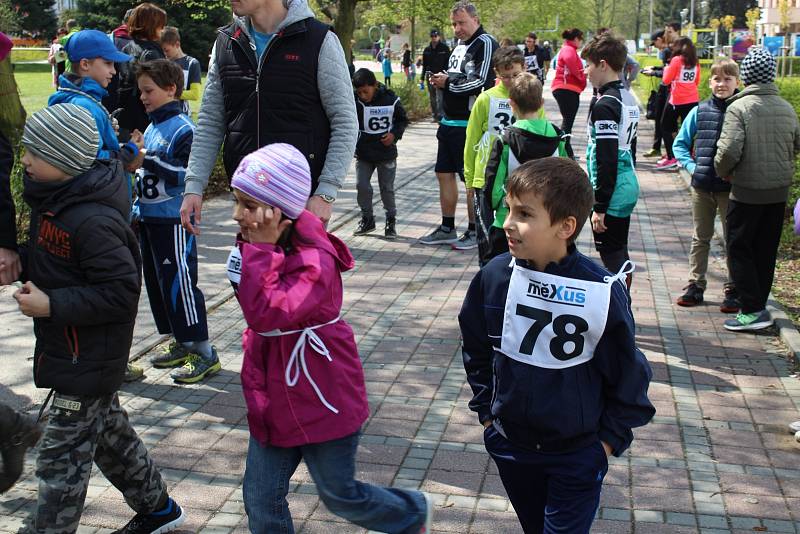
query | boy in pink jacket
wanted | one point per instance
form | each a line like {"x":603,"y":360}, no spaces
{"x":302,"y":377}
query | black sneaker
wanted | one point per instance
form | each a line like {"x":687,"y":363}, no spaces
{"x":731,"y":302}
{"x":23,"y":433}
{"x":155,"y":523}
{"x":389,"y":231}
{"x":365,"y":226}
{"x":692,"y":297}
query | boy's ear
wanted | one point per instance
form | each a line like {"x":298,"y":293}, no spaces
{"x":566,"y":227}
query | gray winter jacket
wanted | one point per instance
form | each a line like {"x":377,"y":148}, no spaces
{"x":757,"y":147}
{"x":336,"y":94}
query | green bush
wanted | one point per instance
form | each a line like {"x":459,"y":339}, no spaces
{"x":414,"y":99}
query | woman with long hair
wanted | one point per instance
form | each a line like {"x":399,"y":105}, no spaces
{"x":683,"y":76}
{"x":569,"y":82}
{"x":144,"y":27}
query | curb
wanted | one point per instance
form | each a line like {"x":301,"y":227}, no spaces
{"x":787,"y":331}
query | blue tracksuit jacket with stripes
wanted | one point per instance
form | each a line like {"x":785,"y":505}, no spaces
{"x":160,"y":180}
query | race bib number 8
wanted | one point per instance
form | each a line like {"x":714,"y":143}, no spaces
{"x":150,"y":188}
{"x":551,"y":321}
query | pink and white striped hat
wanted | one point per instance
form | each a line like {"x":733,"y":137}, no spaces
{"x":277,"y":175}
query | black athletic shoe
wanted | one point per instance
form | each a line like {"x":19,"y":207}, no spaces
{"x":365,"y":226}
{"x":23,"y":433}
{"x":389,"y":231}
{"x":731,"y":302}
{"x":692,"y":297}
{"x":156,"y":523}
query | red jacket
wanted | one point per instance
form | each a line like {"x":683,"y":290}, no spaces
{"x":569,"y":70}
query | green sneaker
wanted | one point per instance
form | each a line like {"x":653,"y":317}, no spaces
{"x":133,"y":373}
{"x":749,"y":321}
{"x":174,"y":356}
{"x":197,"y":368}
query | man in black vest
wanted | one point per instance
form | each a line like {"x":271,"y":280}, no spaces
{"x":536,"y":57}
{"x":469,"y":72}
{"x":276,"y":75}
{"x":434,"y":59}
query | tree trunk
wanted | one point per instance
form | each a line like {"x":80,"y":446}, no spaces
{"x":638,"y":22}
{"x":344,"y":25}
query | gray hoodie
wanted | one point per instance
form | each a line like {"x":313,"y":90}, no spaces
{"x":336,"y":94}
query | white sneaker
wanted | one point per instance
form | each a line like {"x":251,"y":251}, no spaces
{"x":794,"y":427}
{"x":426,"y":528}
{"x":797,"y":436}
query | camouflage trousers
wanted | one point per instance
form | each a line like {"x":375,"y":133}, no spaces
{"x":81,"y":431}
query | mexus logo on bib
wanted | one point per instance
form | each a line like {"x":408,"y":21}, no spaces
{"x":234,"y":267}
{"x":552,"y":321}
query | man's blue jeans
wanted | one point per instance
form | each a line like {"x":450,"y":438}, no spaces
{"x":332,"y":467}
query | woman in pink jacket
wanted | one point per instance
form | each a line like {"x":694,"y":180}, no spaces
{"x":569,"y":82}
{"x":683,"y":77}
{"x":302,"y":377}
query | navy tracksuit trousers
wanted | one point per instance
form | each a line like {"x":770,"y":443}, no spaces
{"x":169,"y":258}
{"x":552,"y":493}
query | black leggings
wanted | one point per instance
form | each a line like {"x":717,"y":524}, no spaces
{"x":568,"y":103}
{"x":669,"y":123}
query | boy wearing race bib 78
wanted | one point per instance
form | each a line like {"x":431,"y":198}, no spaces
{"x":550,"y":354}
{"x":613,"y":120}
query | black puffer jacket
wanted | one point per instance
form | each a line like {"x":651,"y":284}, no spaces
{"x":83,"y":254}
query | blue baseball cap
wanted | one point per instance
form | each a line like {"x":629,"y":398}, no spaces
{"x":91,"y":44}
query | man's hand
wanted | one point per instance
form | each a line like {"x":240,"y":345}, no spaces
{"x":10,"y":266}
{"x":32,"y":301}
{"x":320,"y":208}
{"x":439,"y":80}
{"x":387,"y":139}
{"x":607,"y":448}
{"x":192,"y":206}
{"x":599,"y":222}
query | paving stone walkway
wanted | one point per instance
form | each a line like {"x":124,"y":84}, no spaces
{"x":717,"y":458}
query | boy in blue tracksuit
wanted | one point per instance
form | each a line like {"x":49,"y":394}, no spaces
{"x":695,"y":148}
{"x":93,"y":56}
{"x":550,"y":354}
{"x":169,"y":254}
{"x":613,"y":121}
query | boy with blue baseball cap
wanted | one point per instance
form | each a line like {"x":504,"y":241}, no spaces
{"x":93,"y":56}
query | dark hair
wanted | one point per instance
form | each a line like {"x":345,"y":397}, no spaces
{"x":572,"y":33}
{"x":526,"y":92}
{"x":674,"y":25}
{"x":657,"y":35}
{"x":561,"y":184}
{"x":163,"y":72}
{"x":170,"y":35}
{"x":606,"y":47}
{"x":363,"y":77}
{"x":145,"y":22}
{"x":684,"y":47}
{"x":601,"y":31}
{"x":506,"y":56}
{"x":532,"y":35}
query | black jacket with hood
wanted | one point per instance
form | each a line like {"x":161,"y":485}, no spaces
{"x":83,"y":254}
{"x":369,"y":147}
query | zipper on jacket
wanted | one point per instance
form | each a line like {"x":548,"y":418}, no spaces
{"x":260,"y":62}
{"x":72,"y":342}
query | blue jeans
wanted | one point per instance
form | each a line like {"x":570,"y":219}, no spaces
{"x":332,"y":467}
{"x":551,"y":493}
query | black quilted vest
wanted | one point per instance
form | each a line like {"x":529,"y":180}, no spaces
{"x":709,"y":125}
{"x":282,"y":103}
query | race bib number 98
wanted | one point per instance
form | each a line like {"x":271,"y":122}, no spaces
{"x":551,"y":321}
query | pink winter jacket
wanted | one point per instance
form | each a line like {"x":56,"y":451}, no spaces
{"x":292,"y":291}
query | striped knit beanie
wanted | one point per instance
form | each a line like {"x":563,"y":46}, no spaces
{"x":758,"y":66}
{"x":277,"y":175}
{"x":65,"y":136}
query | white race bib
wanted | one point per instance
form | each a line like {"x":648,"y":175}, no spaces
{"x":629,"y":121}
{"x":554,"y":322}
{"x":457,"y":58}
{"x":378,"y":119}
{"x":687,"y":75}
{"x":234,"y":267}
{"x":151,"y":188}
{"x":531,"y":63}
{"x":500,"y":115}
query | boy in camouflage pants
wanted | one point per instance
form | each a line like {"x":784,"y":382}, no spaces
{"x":83,"y":274}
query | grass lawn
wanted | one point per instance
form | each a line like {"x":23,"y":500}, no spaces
{"x":35,"y":86}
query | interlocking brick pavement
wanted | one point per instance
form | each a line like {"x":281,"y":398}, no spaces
{"x":717,"y":457}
